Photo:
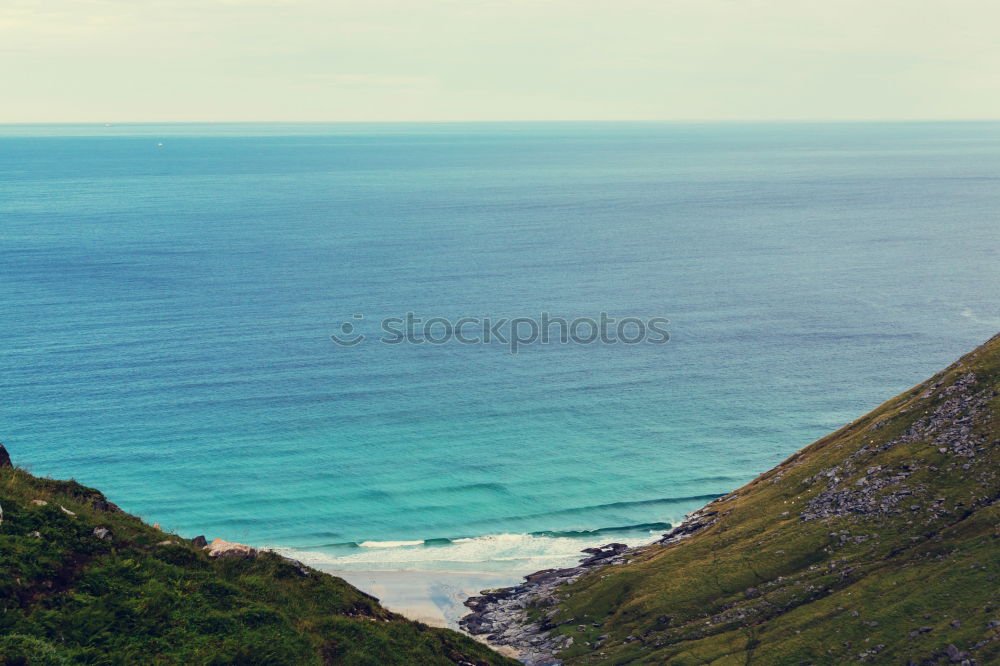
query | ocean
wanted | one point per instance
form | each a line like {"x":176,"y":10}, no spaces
{"x":168,"y":295}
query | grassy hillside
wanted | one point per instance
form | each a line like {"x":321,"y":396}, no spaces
{"x":879,"y":543}
{"x":72,"y":593}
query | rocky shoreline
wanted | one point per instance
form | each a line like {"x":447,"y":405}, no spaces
{"x":501,"y":616}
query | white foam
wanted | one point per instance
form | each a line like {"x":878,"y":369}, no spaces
{"x":493,"y":553}
{"x":389,"y":544}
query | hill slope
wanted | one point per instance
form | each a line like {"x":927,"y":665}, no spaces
{"x":879,"y":543}
{"x":84,"y":582}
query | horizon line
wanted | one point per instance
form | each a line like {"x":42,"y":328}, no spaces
{"x":679,"y":121}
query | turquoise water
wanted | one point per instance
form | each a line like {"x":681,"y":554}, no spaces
{"x":168,"y":293}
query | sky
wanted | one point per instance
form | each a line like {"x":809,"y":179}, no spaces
{"x":485,"y":60}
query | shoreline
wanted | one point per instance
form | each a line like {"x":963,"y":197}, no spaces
{"x":498,"y":617}
{"x":489,"y":605}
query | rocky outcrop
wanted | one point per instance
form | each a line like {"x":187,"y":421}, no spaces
{"x":501,"y":614}
{"x":694,"y":522}
{"x":4,"y":458}
{"x":220,"y":548}
{"x":299,"y":568}
{"x":101,"y":504}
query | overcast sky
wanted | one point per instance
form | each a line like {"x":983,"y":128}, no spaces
{"x":240,"y":60}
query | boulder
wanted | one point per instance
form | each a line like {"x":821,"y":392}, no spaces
{"x":199,"y":541}
{"x":103,"y":533}
{"x":954,"y":654}
{"x":222,"y":548}
{"x":38,"y":502}
{"x":103,"y":505}
{"x":4,"y":458}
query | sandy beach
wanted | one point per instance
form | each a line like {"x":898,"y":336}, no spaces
{"x":432,"y":597}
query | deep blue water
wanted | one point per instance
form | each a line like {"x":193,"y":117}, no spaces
{"x":168,"y":292}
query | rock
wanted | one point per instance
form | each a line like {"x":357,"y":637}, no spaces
{"x":300,"y":568}
{"x":156,"y":526}
{"x":221,"y":548}
{"x":955,"y":624}
{"x":499,"y":615}
{"x":103,"y":533}
{"x":36,"y":534}
{"x":66,"y":511}
{"x":199,"y":541}
{"x":603,"y":553}
{"x":168,"y":542}
{"x":104,"y":505}
{"x":38,"y":502}
{"x":4,"y":458}
{"x":954,"y":654}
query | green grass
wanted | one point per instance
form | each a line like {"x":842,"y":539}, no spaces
{"x":762,"y":586}
{"x":68,"y":597}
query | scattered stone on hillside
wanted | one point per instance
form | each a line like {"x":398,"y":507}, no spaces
{"x":4,"y":458}
{"x":871,"y":652}
{"x":199,"y":541}
{"x":66,"y":511}
{"x":103,"y":533}
{"x":168,"y":542}
{"x":36,"y":534}
{"x":949,"y":429}
{"x":222,"y":548}
{"x":38,"y":502}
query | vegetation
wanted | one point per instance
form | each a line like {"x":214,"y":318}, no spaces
{"x":142,"y":596}
{"x":879,"y":543}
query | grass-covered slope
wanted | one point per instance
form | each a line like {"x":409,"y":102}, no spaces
{"x":142,"y":596}
{"x":879,"y":543}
